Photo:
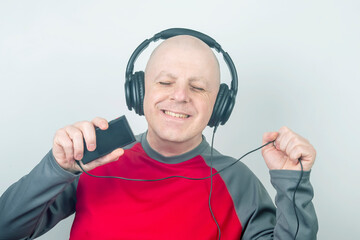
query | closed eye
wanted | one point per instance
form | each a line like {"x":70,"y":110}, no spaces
{"x":165,"y":83}
{"x":198,"y":88}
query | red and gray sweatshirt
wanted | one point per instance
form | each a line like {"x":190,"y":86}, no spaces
{"x":175,"y":208}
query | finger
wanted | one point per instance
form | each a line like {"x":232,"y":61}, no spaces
{"x":279,"y":138}
{"x":284,"y":135}
{"x":307,"y":155}
{"x":268,"y":137}
{"x":78,"y":141}
{"x":307,"y":152}
{"x":296,"y":153}
{"x":111,"y":157}
{"x":287,"y":139}
{"x":102,"y":123}
{"x":294,"y":141}
{"x":58,"y":150}
{"x":63,"y":140}
{"x":88,"y":132}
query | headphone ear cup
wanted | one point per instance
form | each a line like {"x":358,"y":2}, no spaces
{"x":215,"y":116}
{"x":223,"y":106}
{"x":134,"y":92}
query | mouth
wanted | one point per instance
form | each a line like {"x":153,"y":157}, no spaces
{"x":177,"y":115}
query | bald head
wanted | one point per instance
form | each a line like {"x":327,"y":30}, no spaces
{"x":188,"y":50}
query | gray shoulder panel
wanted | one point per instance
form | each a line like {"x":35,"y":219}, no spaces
{"x":254,"y":207}
{"x":39,"y":200}
{"x":252,"y":203}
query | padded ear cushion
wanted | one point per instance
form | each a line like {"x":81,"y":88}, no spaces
{"x":229,"y":103}
{"x":134,"y":92}
{"x":137,"y":92}
{"x":141,"y":91}
{"x":229,"y":107}
{"x":218,"y":106}
{"x":128,"y":92}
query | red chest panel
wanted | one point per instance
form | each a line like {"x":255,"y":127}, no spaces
{"x":175,"y":208}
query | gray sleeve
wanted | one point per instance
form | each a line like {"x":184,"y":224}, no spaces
{"x":38,"y":201}
{"x":285,"y":181}
{"x":259,"y":218}
{"x":262,"y":221}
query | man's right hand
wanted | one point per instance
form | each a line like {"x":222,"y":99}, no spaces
{"x":68,"y":145}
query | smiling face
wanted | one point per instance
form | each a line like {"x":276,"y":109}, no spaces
{"x":181,"y":85}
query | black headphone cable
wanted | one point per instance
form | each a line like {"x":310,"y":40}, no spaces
{"x":294,"y":204}
{"x":174,"y":176}
{"x":211,"y":181}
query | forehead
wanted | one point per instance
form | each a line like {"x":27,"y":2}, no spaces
{"x":183,"y":55}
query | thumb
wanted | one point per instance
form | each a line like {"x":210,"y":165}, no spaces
{"x":268,"y":137}
{"x":111,"y":157}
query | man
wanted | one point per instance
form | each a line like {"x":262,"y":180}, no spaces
{"x":181,"y":84}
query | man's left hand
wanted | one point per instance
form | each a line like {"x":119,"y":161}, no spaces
{"x":286,"y":151}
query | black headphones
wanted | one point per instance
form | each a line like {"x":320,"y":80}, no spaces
{"x":135,"y":86}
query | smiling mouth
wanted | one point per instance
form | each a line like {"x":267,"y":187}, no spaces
{"x":177,"y":115}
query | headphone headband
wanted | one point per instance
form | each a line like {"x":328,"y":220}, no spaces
{"x":172,"y":32}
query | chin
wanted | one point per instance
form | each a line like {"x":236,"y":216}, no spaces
{"x":174,"y":136}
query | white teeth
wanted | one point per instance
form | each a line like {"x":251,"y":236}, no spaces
{"x":178,"y":115}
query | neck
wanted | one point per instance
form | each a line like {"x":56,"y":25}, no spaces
{"x":170,"y":148}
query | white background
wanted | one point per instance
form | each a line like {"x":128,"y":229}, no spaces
{"x":298,"y":64}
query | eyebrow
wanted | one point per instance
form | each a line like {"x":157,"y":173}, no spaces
{"x":166,"y":74}
{"x":196,"y":79}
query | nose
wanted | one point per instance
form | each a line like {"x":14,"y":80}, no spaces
{"x":180,"y":93}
